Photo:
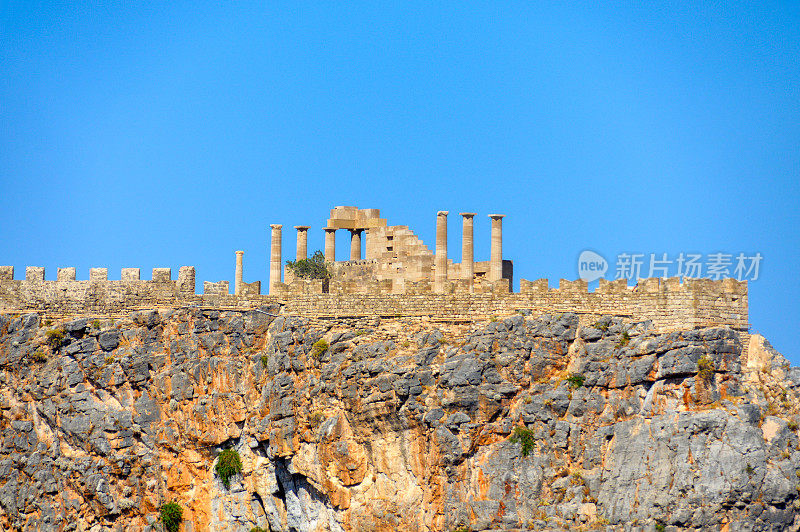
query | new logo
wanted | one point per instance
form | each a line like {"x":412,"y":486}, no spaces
{"x":591,"y":266}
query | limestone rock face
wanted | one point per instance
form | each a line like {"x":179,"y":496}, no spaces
{"x":393,"y":425}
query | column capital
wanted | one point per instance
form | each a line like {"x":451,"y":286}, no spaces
{"x":276,"y":226}
{"x":442,"y":213}
{"x":467,"y":214}
{"x":302,"y":227}
{"x":329,"y":229}
{"x":496,"y":216}
{"x":239,"y":252}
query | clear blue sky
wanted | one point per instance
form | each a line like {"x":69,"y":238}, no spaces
{"x":168,"y":135}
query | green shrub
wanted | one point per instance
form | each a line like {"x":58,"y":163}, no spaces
{"x":171,"y":516}
{"x":39,"y":356}
{"x":257,"y":529}
{"x":624,"y":339}
{"x":264,"y":360}
{"x":313,"y":268}
{"x":792,"y":425}
{"x":575,"y":380}
{"x":525,"y":438}
{"x":603,"y":326}
{"x":705,"y":367}
{"x":660,"y":527}
{"x":316,"y":419}
{"x":96,"y":324}
{"x":55,"y":338}
{"x":319,"y":347}
{"x":228,"y":464}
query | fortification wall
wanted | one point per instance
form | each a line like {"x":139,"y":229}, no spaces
{"x":98,"y":295}
{"x":668,"y":303}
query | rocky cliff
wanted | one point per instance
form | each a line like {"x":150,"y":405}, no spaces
{"x":403,"y":424}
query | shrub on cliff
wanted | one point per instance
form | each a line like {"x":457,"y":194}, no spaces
{"x":624,"y":339}
{"x":171,"y":516}
{"x":313,"y":268}
{"x":705,"y":367}
{"x":55,"y":338}
{"x":228,"y":464}
{"x":319,"y":348}
{"x":525,"y":438}
{"x":575,"y":380}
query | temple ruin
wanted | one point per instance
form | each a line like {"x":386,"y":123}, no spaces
{"x":398,"y":277}
{"x":396,"y":260}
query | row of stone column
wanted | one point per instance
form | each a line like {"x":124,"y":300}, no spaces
{"x":467,"y":249}
{"x":275,"y":263}
{"x":440,"y":259}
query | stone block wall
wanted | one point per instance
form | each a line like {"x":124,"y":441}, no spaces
{"x":668,"y":303}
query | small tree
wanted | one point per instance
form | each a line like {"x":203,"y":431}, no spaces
{"x":313,"y":268}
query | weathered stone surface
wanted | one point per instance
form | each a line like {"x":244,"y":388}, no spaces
{"x":399,"y":425}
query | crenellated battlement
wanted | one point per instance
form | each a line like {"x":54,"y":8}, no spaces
{"x":400,"y":276}
{"x":65,"y":276}
{"x":669,"y":303}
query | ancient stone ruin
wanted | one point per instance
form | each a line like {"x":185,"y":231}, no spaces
{"x":399,"y":276}
{"x":397,"y":261}
{"x":406,"y":392}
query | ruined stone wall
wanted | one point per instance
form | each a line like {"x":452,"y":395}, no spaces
{"x":668,"y":303}
{"x":100,"y":296}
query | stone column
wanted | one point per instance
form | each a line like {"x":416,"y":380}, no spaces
{"x":275,"y":258}
{"x":468,"y":250}
{"x":330,"y":244}
{"x":355,"y":244}
{"x":237,"y":281}
{"x":440,"y":260}
{"x":496,"y":255}
{"x":302,"y":241}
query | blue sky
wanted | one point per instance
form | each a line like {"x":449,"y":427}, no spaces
{"x":144,"y":135}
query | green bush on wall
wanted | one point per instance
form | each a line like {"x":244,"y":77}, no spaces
{"x":171,"y":516}
{"x":228,"y":464}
